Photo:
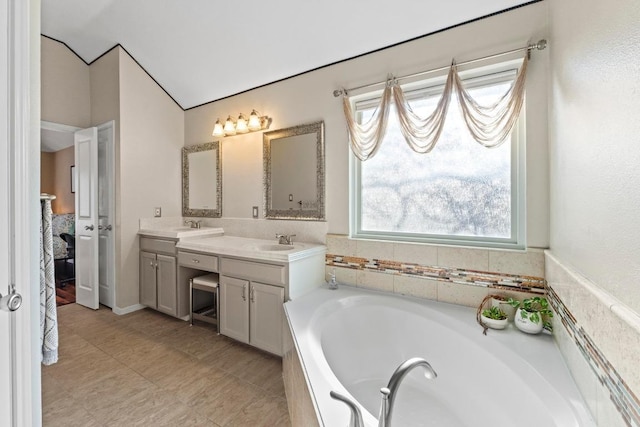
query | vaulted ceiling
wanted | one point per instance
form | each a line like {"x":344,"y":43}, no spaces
{"x":204,"y":50}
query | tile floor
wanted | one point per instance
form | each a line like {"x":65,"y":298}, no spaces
{"x":149,"y":369}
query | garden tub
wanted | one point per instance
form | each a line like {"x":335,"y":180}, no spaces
{"x":351,"y":340}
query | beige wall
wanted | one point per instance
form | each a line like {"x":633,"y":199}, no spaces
{"x":47,"y":167}
{"x":595,"y":135}
{"x":151,"y":140}
{"x":55,"y":178}
{"x":105,"y":106}
{"x":594,"y":139}
{"x":65,"y":199}
{"x":309,"y":98}
{"x":65,"y":90}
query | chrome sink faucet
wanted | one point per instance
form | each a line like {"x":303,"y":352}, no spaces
{"x":285,"y":239}
{"x":192,"y":223}
{"x":389,"y":392}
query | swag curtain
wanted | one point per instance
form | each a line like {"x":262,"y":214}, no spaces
{"x":490,"y":125}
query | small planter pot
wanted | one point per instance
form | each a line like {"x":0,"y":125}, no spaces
{"x":493,"y":323}
{"x":508,"y":309}
{"x":526,"y":325}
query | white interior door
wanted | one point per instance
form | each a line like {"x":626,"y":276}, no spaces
{"x":6,"y":327}
{"x":87,"y":241}
{"x":19,"y":185}
{"x":106,"y":214}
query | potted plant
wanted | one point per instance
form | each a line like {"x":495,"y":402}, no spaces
{"x":533,"y":315}
{"x":505,"y":304}
{"x":494,"y":318}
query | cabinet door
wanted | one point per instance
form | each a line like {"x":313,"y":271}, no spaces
{"x":167,"y":289}
{"x":234,"y":308}
{"x":266,"y":317}
{"x":148,"y":279}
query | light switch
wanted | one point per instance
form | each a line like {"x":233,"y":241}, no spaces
{"x":255,"y":212}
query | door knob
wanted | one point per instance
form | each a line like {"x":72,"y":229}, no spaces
{"x":11,"y":301}
{"x":108,"y":227}
{"x":89,"y":227}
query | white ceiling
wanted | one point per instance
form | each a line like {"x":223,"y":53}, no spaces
{"x":203,"y":50}
{"x":55,"y":137}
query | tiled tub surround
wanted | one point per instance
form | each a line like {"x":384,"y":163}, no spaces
{"x":461,"y":276}
{"x":598,"y":337}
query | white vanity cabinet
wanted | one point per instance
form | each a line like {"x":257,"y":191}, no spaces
{"x":256,"y":277}
{"x":251,"y":310}
{"x":158,"y":275}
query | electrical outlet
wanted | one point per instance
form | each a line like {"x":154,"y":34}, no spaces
{"x":157,"y":212}
{"x":255,"y":212}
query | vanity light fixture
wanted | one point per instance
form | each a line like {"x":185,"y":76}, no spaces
{"x":229,"y":127}
{"x":242,"y":125}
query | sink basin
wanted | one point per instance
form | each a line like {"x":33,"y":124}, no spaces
{"x":271,"y":248}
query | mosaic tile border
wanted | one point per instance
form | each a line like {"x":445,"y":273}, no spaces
{"x":625,"y":401}
{"x":502,"y":281}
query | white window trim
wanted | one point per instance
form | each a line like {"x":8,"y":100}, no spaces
{"x":518,"y":183}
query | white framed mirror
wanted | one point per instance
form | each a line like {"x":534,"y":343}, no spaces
{"x":202,"y":180}
{"x":293,"y":160}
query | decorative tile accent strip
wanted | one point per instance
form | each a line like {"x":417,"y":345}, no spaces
{"x":508,"y":282}
{"x":625,"y":401}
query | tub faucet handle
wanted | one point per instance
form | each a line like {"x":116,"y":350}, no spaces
{"x":356,"y":416}
{"x":384,"y":407}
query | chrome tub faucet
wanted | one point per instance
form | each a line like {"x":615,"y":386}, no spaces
{"x":389,"y":392}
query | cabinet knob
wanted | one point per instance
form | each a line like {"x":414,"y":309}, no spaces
{"x":244,"y":292}
{"x":195,"y":261}
{"x":252,"y":294}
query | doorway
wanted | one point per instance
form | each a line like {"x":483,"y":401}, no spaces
{"x":58,"y":140}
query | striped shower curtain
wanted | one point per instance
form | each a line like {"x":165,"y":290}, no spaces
{"x":48,"y":313}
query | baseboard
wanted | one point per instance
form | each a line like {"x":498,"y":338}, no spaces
{"x":120,"y":311}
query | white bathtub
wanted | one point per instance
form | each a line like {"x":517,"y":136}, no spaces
{"x":351,"y":340}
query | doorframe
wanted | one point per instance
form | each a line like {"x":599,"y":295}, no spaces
{"x":24,"y":136}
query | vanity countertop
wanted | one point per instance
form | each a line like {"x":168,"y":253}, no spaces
{"x":257,"y":249}
{"x":180,"y":232}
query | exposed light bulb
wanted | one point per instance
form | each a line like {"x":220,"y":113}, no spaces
{"x":217,"y":129}
{"x":241,"y":124}
{"x":229,"y":127}
{"x":254,"y":121}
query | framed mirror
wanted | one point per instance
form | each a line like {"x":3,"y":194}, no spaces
{"x":293,"y":160}
{"x":202,"y":180}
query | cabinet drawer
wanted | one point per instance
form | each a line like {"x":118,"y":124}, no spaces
{"x":269,"y":273}
{"x":158,"y":245}
{"x":198,"y":261}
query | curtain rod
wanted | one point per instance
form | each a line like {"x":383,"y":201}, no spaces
{"x":45,"y":196}
{"x":540,"y":45}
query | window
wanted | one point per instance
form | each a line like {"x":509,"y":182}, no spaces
{"x":459,"y":193}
